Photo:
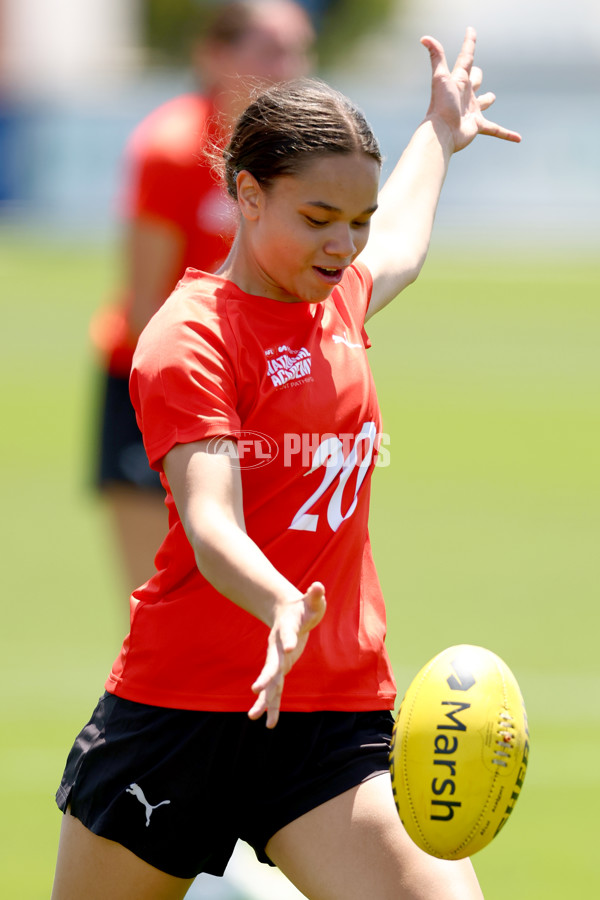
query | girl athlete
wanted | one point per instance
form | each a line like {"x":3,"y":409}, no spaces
{"x":259,"y":411}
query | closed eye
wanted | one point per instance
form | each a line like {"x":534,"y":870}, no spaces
{"x":320,"y":223}
{"x":316,"y":222}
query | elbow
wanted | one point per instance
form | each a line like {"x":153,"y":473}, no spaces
{"x":408,"y":274}
{"x":412,"y":273}
{"x":415,"y":263}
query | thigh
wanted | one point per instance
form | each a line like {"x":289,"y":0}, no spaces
{"x":155,"y":781}
{"x":95,"y":868}
{"x":354,"y":846}
{"x":139,"y":519}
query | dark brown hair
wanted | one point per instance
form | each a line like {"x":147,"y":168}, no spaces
{"x":289,"y":124}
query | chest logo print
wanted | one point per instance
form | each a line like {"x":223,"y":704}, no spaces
{"x":285,"y":364}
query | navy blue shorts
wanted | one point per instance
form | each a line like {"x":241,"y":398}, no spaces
{"x":179,"y":788}
{"x":122,"y":457}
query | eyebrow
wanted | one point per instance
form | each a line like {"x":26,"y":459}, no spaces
{"x":336,"y":209}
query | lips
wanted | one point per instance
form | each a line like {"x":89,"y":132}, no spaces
{"x":329,"y":274}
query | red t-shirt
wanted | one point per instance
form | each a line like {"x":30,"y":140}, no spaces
{"x":170,"y":178}
{"x":294,"y":378}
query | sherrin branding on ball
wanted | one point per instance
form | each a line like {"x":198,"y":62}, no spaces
{"x":459,"y":751}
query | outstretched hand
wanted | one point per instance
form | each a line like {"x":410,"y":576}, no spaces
{"x":287,"y":640}
{"x":453,"y":95}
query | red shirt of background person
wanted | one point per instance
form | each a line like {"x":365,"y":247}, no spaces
{"x":178,"y":215}
{"x":177,"y":211}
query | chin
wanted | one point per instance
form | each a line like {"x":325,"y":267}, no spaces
{"x":317,"y":295}
{"x":310,"y":297}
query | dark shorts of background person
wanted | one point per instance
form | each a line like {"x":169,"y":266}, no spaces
{"x":122,"y":458}
{"x":178,"y":787}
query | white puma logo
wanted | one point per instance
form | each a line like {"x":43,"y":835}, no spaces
{"x":136,"y":790}
{"x":344,"y":339}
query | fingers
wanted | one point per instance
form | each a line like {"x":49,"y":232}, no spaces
{"x":476,"y":78}
{"x":497,"y":131}
{"x":484,"y":101}
{"x":288,"y":636}
{"x":439,"y":66}
{"x":316,"y":604}
{"x":286,"y":642}
{"x":464,"y":60}
{"x":454,"y":99}
{"x":268,"y":702}
{"x":272,"y":671}
{"x":269,"y":687}
{"x":314,"y":610}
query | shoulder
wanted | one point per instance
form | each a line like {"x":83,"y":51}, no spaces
{"x":194,"y":316}
{"x":358,"y":279}
{"x":172,"y":131}
{"x":183,"y":381}
{"x":354,"y":292}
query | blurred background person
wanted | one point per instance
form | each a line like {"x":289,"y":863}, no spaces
{"x":177,"y":215}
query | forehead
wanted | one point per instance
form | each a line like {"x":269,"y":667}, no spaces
{"x":281,"y":23}
{"x":335,"y":179}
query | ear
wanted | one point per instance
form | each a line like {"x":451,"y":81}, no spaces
{"x":250,"y":195}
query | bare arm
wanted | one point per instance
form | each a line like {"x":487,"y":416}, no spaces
{"x":401,"y":228}
{"x":154,"y":256}
{"x":207,"y":490}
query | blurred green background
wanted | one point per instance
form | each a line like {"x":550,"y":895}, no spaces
{"x":485,"y":527}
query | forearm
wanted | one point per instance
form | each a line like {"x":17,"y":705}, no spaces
{"x":208,"y":495}
{"x":231,"y":561}
{"x":402,"y":226}
{"x":154,"y":254}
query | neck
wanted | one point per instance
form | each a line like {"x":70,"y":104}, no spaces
{"x":235,"y":268}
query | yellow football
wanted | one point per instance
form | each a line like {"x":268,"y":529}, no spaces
{"x":459,"y":751}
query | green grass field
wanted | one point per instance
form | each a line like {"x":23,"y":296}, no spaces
{"x":485,"y":525}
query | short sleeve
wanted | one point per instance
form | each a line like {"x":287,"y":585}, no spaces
{"x":182,"y":382}
{"x":355,"y":295}
{"x":159,"y":186}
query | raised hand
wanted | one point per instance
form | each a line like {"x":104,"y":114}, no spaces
{"x":453,"y":95}
{"x":287,"y":640}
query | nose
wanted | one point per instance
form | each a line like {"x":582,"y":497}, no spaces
{"x":342,"y":243}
